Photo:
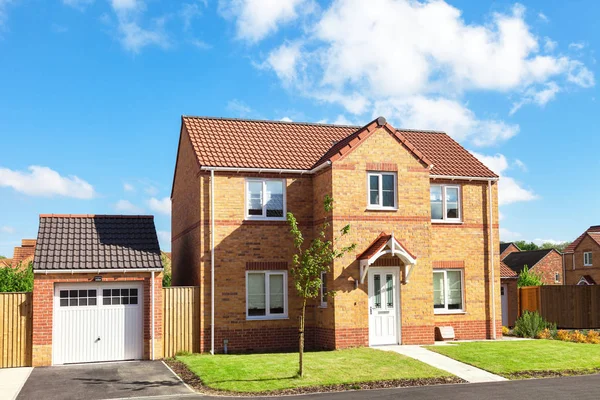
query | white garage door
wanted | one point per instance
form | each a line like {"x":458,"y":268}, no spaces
{"x":97,"y":322}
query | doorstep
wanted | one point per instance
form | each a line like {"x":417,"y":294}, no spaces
{"x":467,"y":372}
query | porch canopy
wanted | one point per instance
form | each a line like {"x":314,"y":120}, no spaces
{"x":384,"y":245}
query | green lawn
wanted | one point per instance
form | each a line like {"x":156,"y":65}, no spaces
{"x":510,"y":357}
{"x":267,"y":372}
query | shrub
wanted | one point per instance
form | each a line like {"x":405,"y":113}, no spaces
{"x":166,"y":279}
{"x":544,"y":334}
{"x":505,"y":331}
{"x":577,"y":337}
{"x":530,"y":324}
{"x":593,"y":337}
{"x":529,"y":278}
{"x":16,"y":279}
{"x":563,"y":335}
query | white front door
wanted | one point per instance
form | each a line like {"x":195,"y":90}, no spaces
{"x":504,"y":298}
{"x":383,"y":306}
{"x":97,"y":322}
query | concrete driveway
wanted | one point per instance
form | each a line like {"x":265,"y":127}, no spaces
{"x":102,"y":381}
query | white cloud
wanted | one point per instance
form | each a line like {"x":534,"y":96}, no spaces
{"x":256,"y":19}
{"x":3,"y":6}
{"x":577,"y":46}
{"x":127,"y":207}
{"x":151,"y":190}
{"x":128,"y":187}
{"x":200,"y":44}
{"x":369,"y":56}
{"x":132,"y":35}
{"x":509,"y":190}
{"x":539,"y":241}
{"x":239,"y":108}
{"x":43,"y":181}
{"x":8,"y":229}
{"x":286,"y":119}
{"x":164,"y":237}
{"x":508,"y":235}
{"x":188,"y":12}
{"x":539,"y":97}
{"x":162,"y":206}
{"x":521,"y":165}
{"x":543,"y":17}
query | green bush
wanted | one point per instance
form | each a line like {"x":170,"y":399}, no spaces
{"x":16,"y":279}
{"x":531,"y":324}
{"x":166,"y":279}
{"x":529,"y":278}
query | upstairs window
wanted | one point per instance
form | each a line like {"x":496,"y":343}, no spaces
{"x":323,"y":294}
{"x":445,"y":203}
{"x":587,"y":259}
{"x":382,"y":190}
{"x":556,"y":277}
{"x":265,"y":199}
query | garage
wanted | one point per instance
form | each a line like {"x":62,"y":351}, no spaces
{"x":97,"y":322}
{"x":97,"y":289}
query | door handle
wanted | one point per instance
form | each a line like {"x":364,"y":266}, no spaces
{"x":97,"y":340}
{"x":371,"y":310}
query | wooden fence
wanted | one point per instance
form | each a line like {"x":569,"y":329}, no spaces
{"x":181,"y":320}
{"x":570,"y":307}
{"x":15,"y":329}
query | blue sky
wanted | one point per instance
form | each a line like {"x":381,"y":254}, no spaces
{"x":92,"y":92}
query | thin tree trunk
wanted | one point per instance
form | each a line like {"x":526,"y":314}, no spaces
{"x":301,"y":340}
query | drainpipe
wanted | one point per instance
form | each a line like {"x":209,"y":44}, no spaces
{"x":490,"y":198}
{"x":152,"y":337}
{"x":212,"y":261}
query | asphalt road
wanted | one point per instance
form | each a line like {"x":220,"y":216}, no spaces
{"x":577,"y":387}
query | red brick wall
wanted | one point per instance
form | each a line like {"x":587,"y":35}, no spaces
{"x":548,"y":266}
{"x":574,"y":274}
{"x":510,"y":249}
{"x":43,"y":302}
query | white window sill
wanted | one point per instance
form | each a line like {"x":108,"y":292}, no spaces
{"x":323,"y":306}
{"x":587,"y":265}
{"x":449,"y":312}
{"x":445,"y":221}
{"x":265,"y":219}
{"x":266,"y":318}
{"x":373,"y":208}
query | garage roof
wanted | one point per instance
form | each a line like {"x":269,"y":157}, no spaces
{"x":68,"y":241}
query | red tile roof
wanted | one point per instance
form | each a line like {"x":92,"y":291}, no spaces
{"x":238,"y":143}
{"x":591,"y":230}
{"x":5,"y":262}
{"x":506,"y":271}
{"x":377,"y":245}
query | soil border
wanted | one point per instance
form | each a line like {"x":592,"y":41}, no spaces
{"x":192,"y":380}
{"x":549,"y":373}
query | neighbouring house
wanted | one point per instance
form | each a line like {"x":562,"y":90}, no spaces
{"x":547,"y":263}
{"x":97,"y":291}
{"x":22,"y":255}
{"x":423,"y":213}
{"x":581,"y":259}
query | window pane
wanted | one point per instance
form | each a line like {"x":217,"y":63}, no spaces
{"x":454,"y":290}
{"x":435,"y":197}
{"x":438,"y":290}
{"x":64,"y":302}
{"x":373,"y":182}
{"x":324,"y":287}
{"x":116,"y":300}
{"x":83,"y":302}
{"x":91,"y":293}
{"x":133,"y":300}
{"x":256,"y":294}
{"x":73,"y":302}
{"x":451,"y":202}
{"x":106,"y":301}
{"x":387,"y":182}
{"x":83,"y":293}
{"x":254,"y":198}
{"x":274,"y":198}
{"x":106,"y":293}
{"x":377,"y":290}
{"x":125,"y":300}
{"x":72,"y":293}
{"x":276,"y":303}
{"x":64,"y":294}
{"x":92,"y":301}
{"x":374,"y":197}
{"x":389,"y":287}
{"x":124,"y":292}
{"x":133,"y":292}
{"x":116,"y":292}
{"x":388,"y":198}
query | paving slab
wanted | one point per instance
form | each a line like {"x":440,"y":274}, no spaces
{"x":467,"y":372}
{"x":116,"y":380}
{"x":12,"y":380}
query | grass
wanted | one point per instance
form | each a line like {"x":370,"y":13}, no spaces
{"x":512,"y":357}
{"x":268,"y":372}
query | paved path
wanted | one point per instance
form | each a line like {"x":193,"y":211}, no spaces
{"x":467,"y":372}
{"x":12,"y":380}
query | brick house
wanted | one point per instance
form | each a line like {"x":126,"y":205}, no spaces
{"x":97,"y":289}
{"x":422,"y":210}
{"x":547,"y":263}
{"x":581,"y":259}
{"x":22,"y":255}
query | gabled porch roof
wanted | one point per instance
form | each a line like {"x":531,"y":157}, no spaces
{"x":386,"y":244}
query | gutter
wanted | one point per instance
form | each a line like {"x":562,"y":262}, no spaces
{"x":94,"y":271}
{"x":212,"y":261}
{"x":269,"y":170}
{"x":465,"y":178}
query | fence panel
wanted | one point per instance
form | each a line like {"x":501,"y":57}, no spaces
{"x":181,"y":318}
{"x":15,"y":329}
{"x":529,"y":299}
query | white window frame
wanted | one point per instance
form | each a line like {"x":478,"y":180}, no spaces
{"x":444,"y":205}
{"x":264,"y":205}
{"x":587,"y":259}
{"x":556,"y":277}
{"x":323,"y":296}
{"x":379,"y":206}
{"x":445,"y":310}
{"x":268,"y":315}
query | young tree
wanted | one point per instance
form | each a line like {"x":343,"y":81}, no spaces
{"x":529,"y":278}
{"x":309,"y":262}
